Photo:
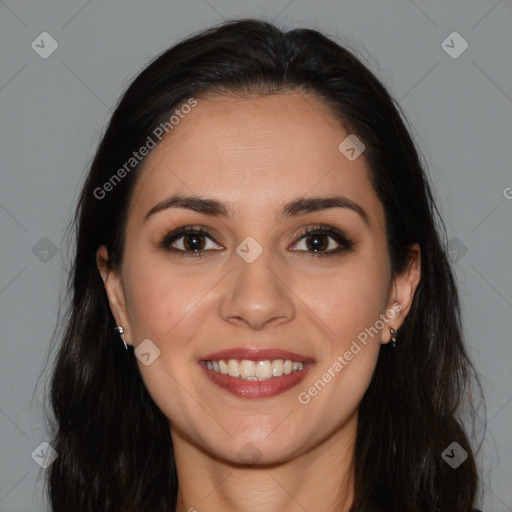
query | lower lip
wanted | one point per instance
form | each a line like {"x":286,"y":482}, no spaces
{"x":257,"y":388}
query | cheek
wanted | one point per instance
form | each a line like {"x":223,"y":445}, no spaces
{"x":168,"y":307}
{"x":348,"y":301}
{"x":349,"y":308}
{"x":159,"y":299}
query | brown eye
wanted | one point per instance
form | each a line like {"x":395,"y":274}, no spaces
{"x":323,"y":241}
{"x":317,"y":242}
{"x":194,"y":242}
{"x":189,"y":241}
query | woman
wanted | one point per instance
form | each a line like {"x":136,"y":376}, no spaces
{"x":263,"y":313}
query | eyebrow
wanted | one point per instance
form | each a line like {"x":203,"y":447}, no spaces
{"x":294,"y":208}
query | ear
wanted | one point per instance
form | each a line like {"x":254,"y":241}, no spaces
{"x":115,"y":293}
{"x":402,"y":292}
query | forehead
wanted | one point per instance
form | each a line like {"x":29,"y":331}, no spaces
{"x":256,"y":152}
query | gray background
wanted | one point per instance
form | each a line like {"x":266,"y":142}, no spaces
{"x":53,"y":112}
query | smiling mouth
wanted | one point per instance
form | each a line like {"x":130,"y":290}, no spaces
{"x":256,"y":373}
{"x":254,"y":370}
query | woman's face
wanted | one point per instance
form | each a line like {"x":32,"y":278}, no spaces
{"x":261,"y":289}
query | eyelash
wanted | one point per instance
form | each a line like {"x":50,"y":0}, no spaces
{"x":344,"y":242}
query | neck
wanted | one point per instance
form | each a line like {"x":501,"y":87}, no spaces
{"x":320,"y":479}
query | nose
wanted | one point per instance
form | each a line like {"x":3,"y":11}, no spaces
{"x":256,"y":294}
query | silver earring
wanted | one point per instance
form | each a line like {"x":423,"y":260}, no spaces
{"x":394,"y":334}
{"x":120,"y":330}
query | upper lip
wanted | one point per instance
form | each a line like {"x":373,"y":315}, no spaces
{"x":256,"y":355}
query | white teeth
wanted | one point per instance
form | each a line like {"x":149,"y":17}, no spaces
{"x":251,"y":370}
{"x":223,"y":367}
{"x":234,"y":368}
{"x":264,"y":370}
{"x":277,"y":367}
{"x":247,"y":368}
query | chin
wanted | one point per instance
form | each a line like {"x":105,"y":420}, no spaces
{"x":250,"y":450}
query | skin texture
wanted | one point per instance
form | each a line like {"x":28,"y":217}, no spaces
{"x":256,"y":154}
